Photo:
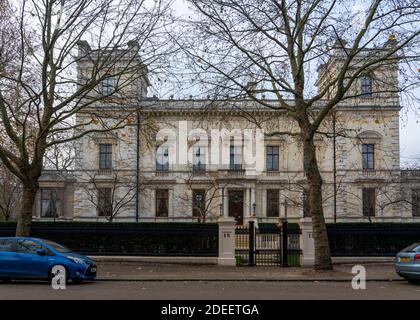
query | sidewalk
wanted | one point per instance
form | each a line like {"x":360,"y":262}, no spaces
{"x":134,"y":271}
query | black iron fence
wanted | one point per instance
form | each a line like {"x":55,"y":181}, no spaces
{"x":371,"y":239}
{"x":267,"y":245}
{"x":147,"y":239}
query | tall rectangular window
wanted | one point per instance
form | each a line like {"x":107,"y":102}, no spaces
{"x":273,"y":203}
{"x":415,"y":202}
{"x":272,"y":156}
{"x":108,"y":85}
{"x":366,"y":85}
{"x":162,"y":202}
{"x":199,"y":159}
{"x":368,"y":156}
{"x":162,"y":158}
{"x":104,"y":206}
{"x":235,"y":157}
{"x":50,"y":203}
{"x":368,"y":199}
{"x":105,"y":156}
{"x":199,"y":201}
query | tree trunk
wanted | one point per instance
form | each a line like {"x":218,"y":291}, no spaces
{"x":24,"y":219}
{"x":322,"y":249}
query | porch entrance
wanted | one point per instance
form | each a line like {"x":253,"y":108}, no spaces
{"x":236,"y":205}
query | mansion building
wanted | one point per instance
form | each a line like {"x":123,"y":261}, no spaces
{"x":133,"y":174}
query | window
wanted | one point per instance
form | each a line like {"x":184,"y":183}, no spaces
{"x":415,"y":202}
{"x":105,"y":156}
{"x":273,"y":205}
{"x":368,"y":156}
{"x":305,"y":203}
{"x":235,"y":157}
{"x":366,"y":85}
{"x":368,"y":198}
{"x":108,"y":86}
{"x":162,"y":202}
{"x":50,"y":203}
{"x":199,"y":201}
{"x":104,"y":202}
{"x":6,"y":245}
{"x":162,"y":158}
{"x":28,"y":246}
{"x":272,"y":153}
{"x":199,"y":159}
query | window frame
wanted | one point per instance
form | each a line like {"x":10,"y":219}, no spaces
{"x":49,"y":191}
{"x":200,"y":165}
{"x":366,"y":85}
{"x":272,"y":158}
{"x":235,"y":152}
{"x":105,"y":156}
{"x":273,"y":203}
{"x":195,"y":209}
{"x":108,"y":85}
{"x":162,"y":167}
{"x":369,"y":209}
{"x":368,"y":163}
{"x":102,"y":208}
{"x":159,"y":197}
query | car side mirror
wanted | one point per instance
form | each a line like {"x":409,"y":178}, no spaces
{"x":41,"y":252}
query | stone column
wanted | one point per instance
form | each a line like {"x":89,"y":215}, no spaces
{"x":226,"y":203}
{"x":307,"y":258}
{"x":226,"y":241}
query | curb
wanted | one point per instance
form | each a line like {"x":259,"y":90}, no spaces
{"x":238,"y":280}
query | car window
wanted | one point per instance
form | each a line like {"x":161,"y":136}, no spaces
{"x":415,"y":247}
{"x":28,"y":246}
{"x":6,"y":245}
{"x":56,"y":246}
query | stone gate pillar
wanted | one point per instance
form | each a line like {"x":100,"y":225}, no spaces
{"x":307,"y":245}
{"x":226,"y":241}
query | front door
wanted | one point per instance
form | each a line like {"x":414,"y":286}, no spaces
{"x":236,"y":205}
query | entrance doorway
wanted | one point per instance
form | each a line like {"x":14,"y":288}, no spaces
{"x":236,"y":205}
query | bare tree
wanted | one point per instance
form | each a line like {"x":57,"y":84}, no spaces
{"x":10,"y":193}
{"x":268,"y":49}
{"x":41,"y":89}
{"x":112,"y":195}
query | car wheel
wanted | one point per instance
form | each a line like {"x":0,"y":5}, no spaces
{"x":414,"y":281}
{"x":51,"y":274}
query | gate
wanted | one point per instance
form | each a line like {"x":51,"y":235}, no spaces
{"x":269,"y":246}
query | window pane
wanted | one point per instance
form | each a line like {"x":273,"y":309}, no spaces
{"x":368,"y":156}
{"x":272,"y":155}
{"x":199,"y":201}
{"x":162,"y":159}
{"x":50,"y":203}
{"x":105,"y":156}
{"x":162,"y":203}
{"x":28,"y":246}
{"x":368,"y":195}
{"x":104,"y":202}
{"x":6,"y":245}
{"x":273,"y":204}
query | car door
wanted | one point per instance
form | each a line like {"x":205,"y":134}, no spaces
{"x":31,"y":264}
{"x":8,"y":258}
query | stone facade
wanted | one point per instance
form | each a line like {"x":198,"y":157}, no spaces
{"x":242,"y":191}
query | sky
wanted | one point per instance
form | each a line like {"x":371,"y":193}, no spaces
{"x":409,"y":116}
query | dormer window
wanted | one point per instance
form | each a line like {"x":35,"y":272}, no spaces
{"x":366,"y":85}
{"x":108,"y":86}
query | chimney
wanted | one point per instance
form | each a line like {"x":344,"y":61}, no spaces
{"x":251,"y":88}
{"x":134,"y":46}
{"x":83,"y":47}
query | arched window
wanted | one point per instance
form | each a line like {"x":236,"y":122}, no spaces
{"x":366,"y":85}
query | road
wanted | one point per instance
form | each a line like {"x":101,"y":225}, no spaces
{"x":179,"y":290}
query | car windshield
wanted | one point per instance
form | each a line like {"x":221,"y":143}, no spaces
{"x":415,"y":247}
{"x":56,"y":246}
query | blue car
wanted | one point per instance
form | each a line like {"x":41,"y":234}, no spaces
{"x":407,"y":263}
{"x":32,"y":258}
